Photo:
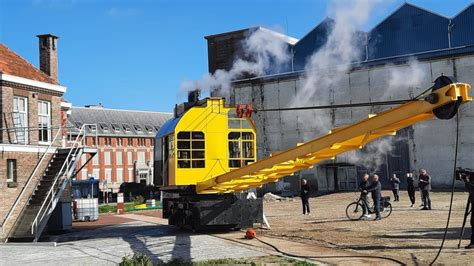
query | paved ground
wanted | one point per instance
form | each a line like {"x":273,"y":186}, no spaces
{"x":107,"y":245}
{"x":409,"y":235}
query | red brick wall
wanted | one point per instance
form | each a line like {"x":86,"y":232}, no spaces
{"x":113,"y":149}
{"x":8,"y":92}
{"x":26,"y":162}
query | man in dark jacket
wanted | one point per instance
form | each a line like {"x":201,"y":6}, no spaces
{"x":395,"y":183}
{"x":425,"y":187}
{"x":363,"y":186}
{"x":411,"y":188}
{"x":376,"y":190}
{"x":305,"y":191}
{"x":470,"y":188}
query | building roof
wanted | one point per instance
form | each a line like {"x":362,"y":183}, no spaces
{"x":13,"y":64}
{"x":285,"y":38}
{"x":116,"y":122}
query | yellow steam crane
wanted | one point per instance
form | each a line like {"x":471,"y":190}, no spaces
{"x":206,"y":155}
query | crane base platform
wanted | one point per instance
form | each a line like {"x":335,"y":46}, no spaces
{"x":212,"y":212}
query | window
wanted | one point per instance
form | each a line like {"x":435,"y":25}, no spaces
{"x":44,"y":121}
{"x":92,"y":128}
{"x":141,"y":157}
{"x":107,"y":158}
{"x":241,"y":149}
{"x":119,"y":175}
{"x":191,"y":149}
{"x":116,"y":128}
{"x":127,"y":128}
{"x":129,"y":158}
{"x":118,"y":159}
{"x":108,"y":175}
{"x":157,"y":128}
{"x":149,"y":128}
{"x":104,"y":127}
{"x":20,"y":119}
{"x":141,"y":142}
{"x":11,"y":170}
{"x":137,"y":128}
{"x":119,"y":142}
{"x":95,"y":159}
{"x":130,"y":142}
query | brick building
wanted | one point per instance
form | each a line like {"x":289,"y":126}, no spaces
{"x":125,"y":144}
{"x":32,"y":114}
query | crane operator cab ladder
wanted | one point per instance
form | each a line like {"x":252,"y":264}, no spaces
{"x":208,"y":194}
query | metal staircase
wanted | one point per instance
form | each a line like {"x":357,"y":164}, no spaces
{"x":61,"y":168}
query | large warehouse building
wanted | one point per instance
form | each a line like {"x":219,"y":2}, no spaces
{"x":438,"y":45}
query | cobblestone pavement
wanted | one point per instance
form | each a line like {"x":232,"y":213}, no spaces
{"x":107,"y":245}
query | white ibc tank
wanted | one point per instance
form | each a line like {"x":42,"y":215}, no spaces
{"x":87,"y":209}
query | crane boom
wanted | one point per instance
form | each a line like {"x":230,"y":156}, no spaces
{"x":338,"y":141}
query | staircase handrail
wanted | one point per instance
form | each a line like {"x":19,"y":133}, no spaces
{"x":40,"y":162}
{"x":81,"y":136}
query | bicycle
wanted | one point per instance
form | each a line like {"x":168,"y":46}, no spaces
{"x":355,"y":210}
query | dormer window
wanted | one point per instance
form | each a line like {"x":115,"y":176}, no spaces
{"x":92,"y":128}
{"x":137,"y":128}
{"x":127,"y":128}
{"x":78,"y":124}
{"x":149,"y":128}
{"x":116,"y":128}
{"x":104,"y":127}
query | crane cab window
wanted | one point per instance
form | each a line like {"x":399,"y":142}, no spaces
{"x":241,"y":149}
{"x":191,"y":149}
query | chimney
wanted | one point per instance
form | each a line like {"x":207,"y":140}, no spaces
{"x":48,"y":52}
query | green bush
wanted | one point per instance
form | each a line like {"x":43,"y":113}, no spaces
{"x":139,"y":199}
{"x":137,"y":259}
{"x":107,"y":208}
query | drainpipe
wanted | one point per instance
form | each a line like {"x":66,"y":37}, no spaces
{"x":450,"y":28}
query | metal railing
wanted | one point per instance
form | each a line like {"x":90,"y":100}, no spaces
{"x":68,"y":167}
{"x":72,"y":132}
{"x":38,"y":165}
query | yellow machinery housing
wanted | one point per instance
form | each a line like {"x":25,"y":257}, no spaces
{"x":205,"y":155}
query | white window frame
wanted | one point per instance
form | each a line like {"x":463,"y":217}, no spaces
{"x":48,"y":122}
{"x":24,"y":113}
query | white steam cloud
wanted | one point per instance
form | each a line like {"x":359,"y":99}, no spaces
{"x":373,"y":156}
{"x":263,"y":52}
{"x":403,"y":78}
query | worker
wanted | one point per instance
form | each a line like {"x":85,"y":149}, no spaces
{"x":305,"y":191}
{"x":376,"y":190}
{"x":395,"y":183}
{"x":470,"y":186}
{"x":411,"y":188}
{"x":364,"y":184}
{"x":425,"y":187}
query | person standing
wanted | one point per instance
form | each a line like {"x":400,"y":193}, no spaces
{"x":425,"y":187}
{"x":304,"y":193}
{"x":376,"y":190}
{"x":395,"y":183}
{"x":411,"y":188}
{"x":470,"y":187}
{"x":364,"y":184}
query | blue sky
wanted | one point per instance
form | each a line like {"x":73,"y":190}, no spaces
{"x":134,"y":54}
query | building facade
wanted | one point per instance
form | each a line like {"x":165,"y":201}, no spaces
{"x":124,"y":140}
{"x":439,"y":45}
{"x":33,"y":116}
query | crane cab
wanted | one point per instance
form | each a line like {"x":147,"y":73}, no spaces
{"x":204,"y":139}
